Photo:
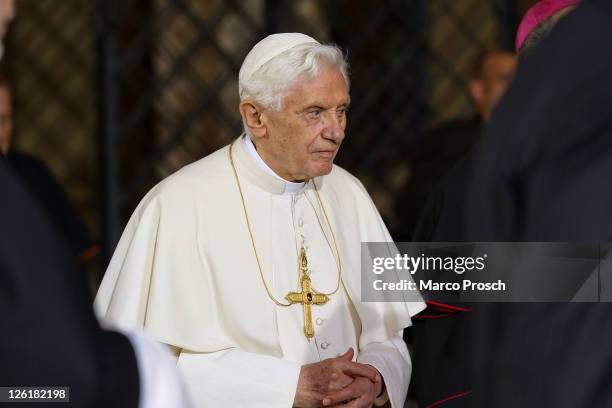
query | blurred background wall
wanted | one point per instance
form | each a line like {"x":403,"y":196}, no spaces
{"x":116,"y":95}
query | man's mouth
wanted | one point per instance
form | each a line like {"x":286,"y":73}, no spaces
{"x":326,"y":154}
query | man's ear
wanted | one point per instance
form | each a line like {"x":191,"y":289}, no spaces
{"x":252,"y":118}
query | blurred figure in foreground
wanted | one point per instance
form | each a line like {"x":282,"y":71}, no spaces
{"x":442,"y":346}
{"x":50,"y":336}
{"x":542,"y":173}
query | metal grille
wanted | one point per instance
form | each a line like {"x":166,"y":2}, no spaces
{"x":156,"y":81}
{"x":50,"y":60}
{"x":170,"y":89}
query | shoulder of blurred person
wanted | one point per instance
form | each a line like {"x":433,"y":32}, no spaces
{"x":37,"y":176}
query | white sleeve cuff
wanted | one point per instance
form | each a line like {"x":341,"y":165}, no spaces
{"x":392,"y":361}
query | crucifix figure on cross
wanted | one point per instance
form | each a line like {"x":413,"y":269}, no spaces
{"x":307,"y":297}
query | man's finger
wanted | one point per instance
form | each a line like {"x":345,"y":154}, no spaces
{"x":348,"y":355}
{"x":361,"y":370}
{"x":355,"y":390}
{"x":361,"y":402}
{"x":339,"y":381}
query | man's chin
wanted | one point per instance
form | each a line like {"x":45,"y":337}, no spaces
{"x":322,"y":170}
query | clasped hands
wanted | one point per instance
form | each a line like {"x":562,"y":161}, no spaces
{"x":338,"y":382}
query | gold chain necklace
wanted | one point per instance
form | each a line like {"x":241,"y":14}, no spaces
{"x":307,"y":298}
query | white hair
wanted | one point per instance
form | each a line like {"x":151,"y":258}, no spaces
{"x":269,"y":85}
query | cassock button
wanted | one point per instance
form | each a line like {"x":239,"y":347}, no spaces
{"x":325,"y":345}
{"x":319,"y":321}
{"x":300,"y":223}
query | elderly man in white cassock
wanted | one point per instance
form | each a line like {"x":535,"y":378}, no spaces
{"x":247,"y":262}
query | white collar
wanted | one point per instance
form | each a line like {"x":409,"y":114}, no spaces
{"x":290,"y":187}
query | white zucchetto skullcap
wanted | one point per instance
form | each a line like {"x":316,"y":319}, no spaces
{"x":268,"y":48}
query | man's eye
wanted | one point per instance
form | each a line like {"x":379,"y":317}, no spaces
{"x":342,"y":112}
{"x":314,"y":113}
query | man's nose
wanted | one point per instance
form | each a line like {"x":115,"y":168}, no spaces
{"x":334,"y":129}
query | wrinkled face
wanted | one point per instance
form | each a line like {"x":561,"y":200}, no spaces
{"x":302,"y":140}
{"x":6,"y":120}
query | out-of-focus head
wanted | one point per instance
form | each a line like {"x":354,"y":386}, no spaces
{"x":7,"y":13}
{"x":539,"y":21}
{"x":6,"y":116}
{"x":492,"y":74}
{"x":294,"y":93}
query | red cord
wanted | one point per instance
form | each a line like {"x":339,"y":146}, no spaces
{"x":444,"y":309}
{"x":450,"y":307}
{"x":452,"y":397}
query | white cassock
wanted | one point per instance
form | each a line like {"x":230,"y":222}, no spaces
{"x":185,"y":272}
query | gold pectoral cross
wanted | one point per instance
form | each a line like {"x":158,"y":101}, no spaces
{"x":307,"y":297}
